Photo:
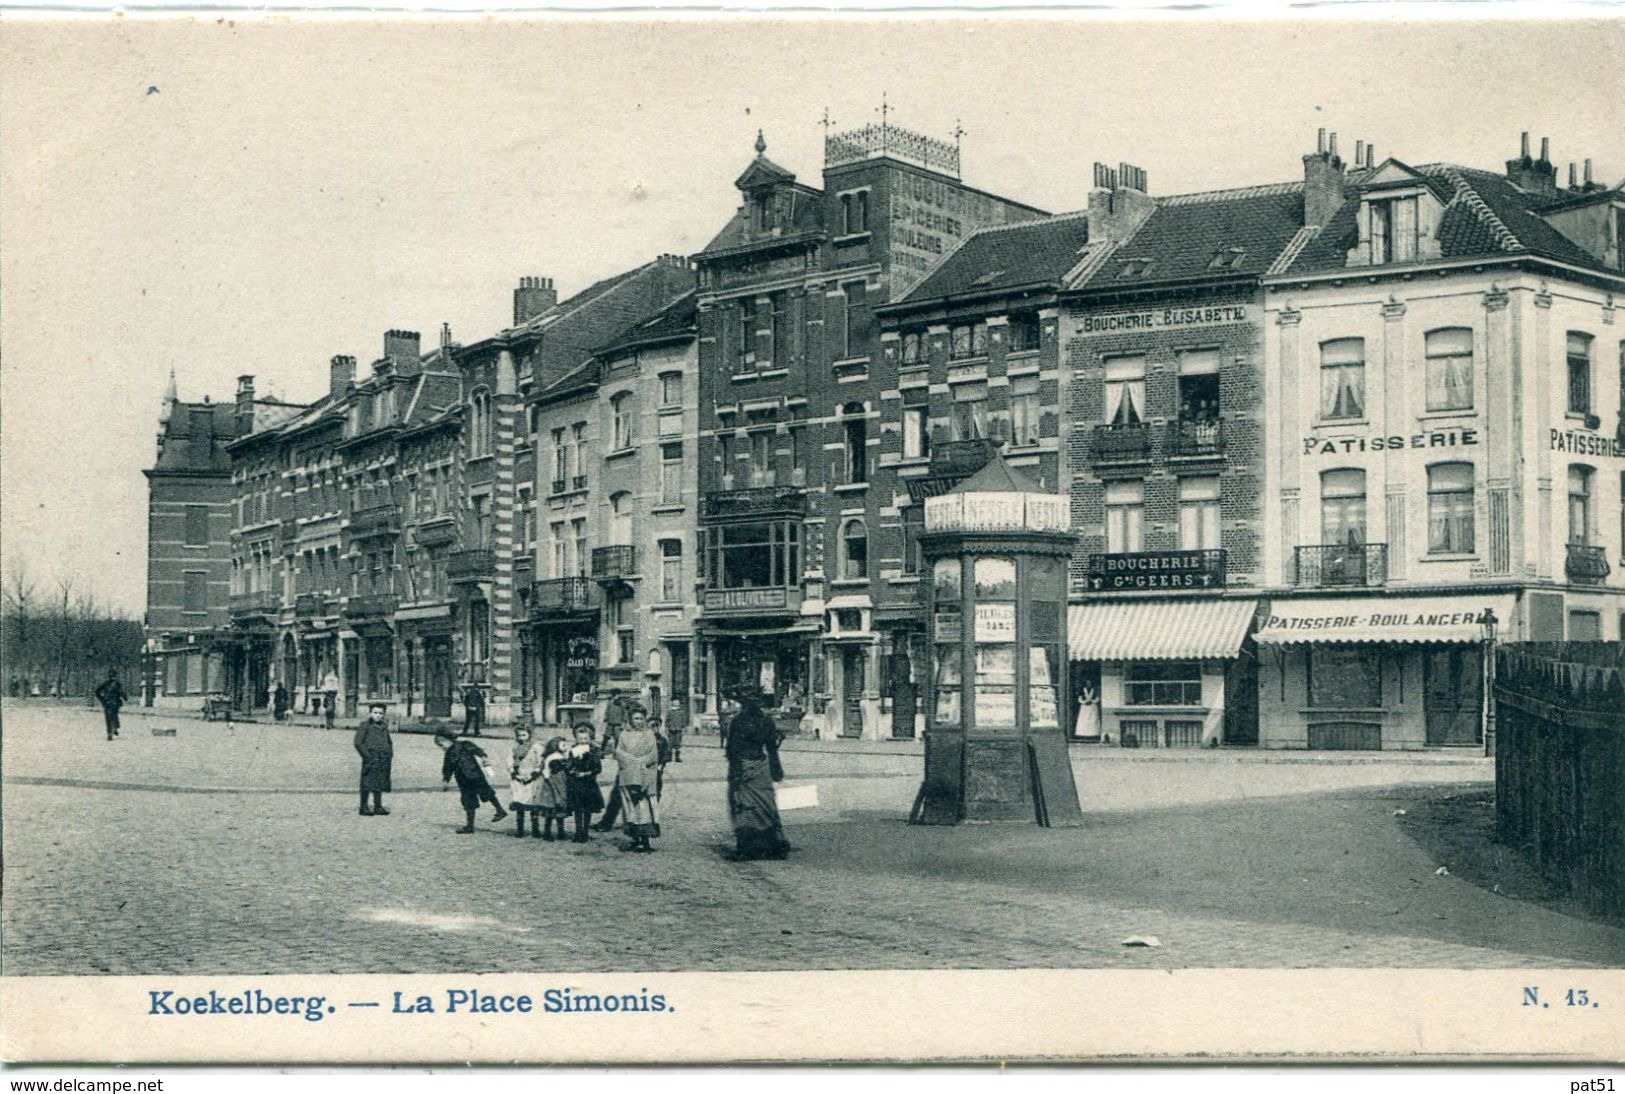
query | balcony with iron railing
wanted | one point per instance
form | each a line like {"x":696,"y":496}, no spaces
{"x":1341,"y":565}
{"x":759,"y":501}
{"x":375,"y":520}
{"x":1586,"y":564}
{"x":1195,"y":438}
{"x":561,"y":596}
{"x":1121,"y":443}
{"x":255,"y":605}
{"x":475,"y":564}
{"x":615,"y":563}
{"x":371,"y":606}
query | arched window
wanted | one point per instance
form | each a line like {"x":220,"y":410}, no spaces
{"x":479,"y":423}
{"x":621,"y":409}
{"x":854,"y":550}
{"x":855,"y":429}
{"x":620,"y":518}
{"x":1450,"y":368}
{"x":1450,"y":508}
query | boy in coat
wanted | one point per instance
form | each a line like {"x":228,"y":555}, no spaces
{"x":377,"y":753}
{"x":465,"y":761}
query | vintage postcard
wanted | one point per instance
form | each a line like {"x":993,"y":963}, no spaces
{"x":673,"y":538}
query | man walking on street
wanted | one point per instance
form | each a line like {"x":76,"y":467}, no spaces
{"x":330,"y":698}
{"x":110,"y":694}
{"x":377,"y":757}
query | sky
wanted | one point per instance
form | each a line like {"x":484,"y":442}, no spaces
{"x":229,"y":197}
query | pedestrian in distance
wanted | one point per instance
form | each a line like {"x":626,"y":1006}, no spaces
{"x":554,"y":797}
{"x":279,"y":702}
{"x":753,"y":768}
{"x":637,"y":758}
{"x":377,"y":753}
{"x":582,"y":796}
{"x":110,"y":694}
{"x":473,"y":710}
{"x":676,"y":726}
{"x":330,"y":699}
{"x":526,"y":780}
{"x":466,"y":762}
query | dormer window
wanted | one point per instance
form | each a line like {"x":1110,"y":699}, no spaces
{"x":1393,"y":229}
{"x":1134,"y":267}
{"x":1227,"y":259}
{"x":766,"y":218}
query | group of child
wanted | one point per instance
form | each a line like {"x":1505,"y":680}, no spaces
{"x":552,"y":781}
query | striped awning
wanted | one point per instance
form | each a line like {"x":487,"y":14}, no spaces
{"x":1158,"y":630}
{"x":1423,"y":619}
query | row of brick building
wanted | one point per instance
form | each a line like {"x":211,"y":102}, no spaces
{"x":1322,"y":441}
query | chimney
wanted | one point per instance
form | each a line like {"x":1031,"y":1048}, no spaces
{"x":1118,"y":204}
{"x":533,"y":297}
{"x":340,"y":375}
{"x":1371,"y":154}
{"x":1322,"y":182}
{"x":1359,"y":154}
{"x":245,"y":405}
{"x":403,"y":349}
{"x":1589,"y":184}
{"x":1574,"y":175}
{"x":1538,"y":176}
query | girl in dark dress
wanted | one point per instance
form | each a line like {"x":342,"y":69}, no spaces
{"x":582,"y":796}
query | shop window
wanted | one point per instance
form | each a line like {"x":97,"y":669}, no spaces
{"x":1125,"y":390}
{"x":1199,"y":385}
{"x":1580,"y":527}
{"x":671,"y":473}
{"x":1450,"y":369}
{"x":1162,"y":684}
{"x":1579,"y":358}
{"x":197,"y":526}
{"x":1342,"y":506}
{"x":1345,"y":677}
{"x":621,"y":412}
{"x":1199,"y":512}
{"x":1342,"y":378}
{"x":1450,"y":507}
{"x":1024,"y":410}
{"x":969,"y":419}
{"x":913,"y":347}
{"x":916,"y":432}
{"x":671,"y":389}
{"x":854,"y":550}
{"x":671,"y":571}
{"x":1125,"y":516}
{"x":855,"y":431}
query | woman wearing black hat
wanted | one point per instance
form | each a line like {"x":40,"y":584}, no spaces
{"x":753,"y":768}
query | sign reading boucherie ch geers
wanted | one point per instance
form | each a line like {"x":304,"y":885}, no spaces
{"x":1156,"y":570}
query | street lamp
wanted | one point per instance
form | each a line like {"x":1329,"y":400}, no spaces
{"x":1486,"y":626}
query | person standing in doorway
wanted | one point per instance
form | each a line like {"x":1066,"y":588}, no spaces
{"x":110,"y":694}
{"x":377,"y":753}
{"x":473,"y":710}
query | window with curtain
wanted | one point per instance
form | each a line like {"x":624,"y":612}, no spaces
{"x":1579,"y":356}
{"x":671,"y":388}
{"x":857,"y":319}
{"x":854,"y":550}
{"x":1450,"y":508}
{"x":969,"y":419}
{"x":1199,"y":512}
{"x":671,"y":571}
{"x":1450,"y":369}
{"x":913,"y":351}
{"x":1393,"y":230}
{"x":1024,"y":410}
{"x":1342,"y":378}
{"x":620,"y":518}
{"x":671,"y":473}
{"x":967,"y":340}
{"x":579,"y":528}
{"x":1125,"y":516}
{"x":1125,"y":390}
{"x":762,"y":472}
{"x":621,"y":411}
{"x":1579,"y":504}
{"x":1342,"y":506}
{"x":855,"y":430}
{"x":916,"y":432}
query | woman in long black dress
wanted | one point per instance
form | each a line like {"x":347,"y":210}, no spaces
{"x":753,"y":768}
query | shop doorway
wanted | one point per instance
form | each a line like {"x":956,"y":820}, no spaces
{"x":1453,"y":695}
{"x":678,"y":656}
{"x":437,"y":677}
{"x":1241,"y":697}
{"x":851,"y":691}
{"x":904,"y":701}
{"x":352,"y":677}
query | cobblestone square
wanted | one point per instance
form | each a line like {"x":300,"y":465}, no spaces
{"x":238,"y":850}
